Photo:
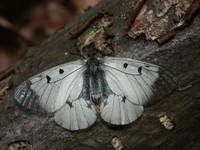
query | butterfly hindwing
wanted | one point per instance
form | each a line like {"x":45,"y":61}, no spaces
{"x":117,"y":110}
{"x":78,"y":112}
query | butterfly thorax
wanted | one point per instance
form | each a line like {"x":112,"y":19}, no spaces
{"x":92,"y":65}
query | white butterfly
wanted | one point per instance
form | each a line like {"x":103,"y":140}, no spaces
{"x":116,"y":88}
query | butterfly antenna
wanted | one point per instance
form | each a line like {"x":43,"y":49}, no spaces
{"x":78,"y":54}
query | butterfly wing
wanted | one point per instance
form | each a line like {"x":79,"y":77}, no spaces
{"x":59,"y":89}
{"x":133,"y":84}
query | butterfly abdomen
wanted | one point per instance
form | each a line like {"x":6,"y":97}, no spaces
{"x":95,"y":89}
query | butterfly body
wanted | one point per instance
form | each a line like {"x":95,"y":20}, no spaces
{"x":97,"y":82}
{"x":117,"y":88}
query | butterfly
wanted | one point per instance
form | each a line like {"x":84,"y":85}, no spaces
{"x":116,"y":89}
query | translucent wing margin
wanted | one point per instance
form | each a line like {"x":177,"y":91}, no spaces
{"x":133,"y":84}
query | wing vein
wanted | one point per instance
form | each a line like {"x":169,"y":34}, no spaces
{"x":141,"y":88}
{"x":133,"y":89}
{"x":49,"y":95}
{"x":119,"y":70}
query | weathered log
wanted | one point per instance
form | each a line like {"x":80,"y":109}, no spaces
{"x":181,"y":55}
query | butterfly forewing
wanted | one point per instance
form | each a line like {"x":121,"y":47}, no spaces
{"x":140,"y":82}
{"x":45,"y":92}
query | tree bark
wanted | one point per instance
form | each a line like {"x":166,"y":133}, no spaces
{"x":180,"y":55}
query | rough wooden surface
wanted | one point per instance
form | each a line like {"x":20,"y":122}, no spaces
{"x":181,"y":56}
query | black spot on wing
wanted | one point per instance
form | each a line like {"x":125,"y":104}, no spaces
{"x":70,"y":104}
{"x":140,"y":70}
{"x":61,"y":71}
{"x":105,"y":103}
{"x":89,"y":106}
{"x":48,"y":79}
{"x":125,"y":65}
{"x":124,"y":99}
